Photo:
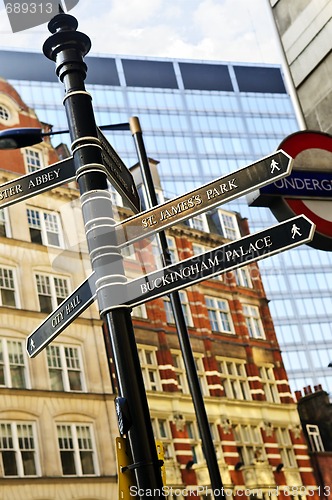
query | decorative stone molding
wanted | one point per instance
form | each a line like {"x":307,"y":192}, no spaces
{"x":258,"y":475}
{"x":226,"y":425}
{"x":179,"y":421}
{"x":268,"y":428}
{"x":297,"y":431}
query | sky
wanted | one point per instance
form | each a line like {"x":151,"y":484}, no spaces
{"x":216,"y":30}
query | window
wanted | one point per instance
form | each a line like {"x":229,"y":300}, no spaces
{"x":269,"y":384}
{"x":198,"y":249}
{"x":234,"y":379}
{"x":8,"y":295}
{"x":185,"y":309}
{"x":150,"y":370}
{"x":216,"y":440}
{"x":180,"y":372}
{"x":286,"y":447}
{"x":315,"y":439}
{"x":65,"y":368}
{"x":33,"y":159}
{"x":18,"y":449}
{"x":199,"y":222}
{"x":51,"y":291}
{"x":128,"y":252}
{"x":13,"y":366}
{"x":115,"y":196}
{"x":4,"y":223}
{"x":171,"y":245}
{"x":162,"y":432}
{"x":4,"y":114}
{"x":77,"y":450}
{"x":200,"y":370}
{"x":219,"y":315}
{"x":249,"y":444}
{"x":242,"y":277}
{"x":44,"y":227}
{"x":229,"y":225}
{"x":253,"y":322}
{"x":140,"y":311}
{"x":194,"y":441}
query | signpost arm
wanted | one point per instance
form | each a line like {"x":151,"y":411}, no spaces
{"x":67,"y":47}
{"x":181,"y":327}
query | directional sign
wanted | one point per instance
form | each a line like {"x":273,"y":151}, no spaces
{"x":61,"y":317}
{"x":210,"y":195}
{"x":151,"y":221}
{"x":36,"y":182}
{"x":118,"y":173}
{"x":230,"y":256}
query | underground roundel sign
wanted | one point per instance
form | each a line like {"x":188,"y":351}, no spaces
{"x":308,"y":189}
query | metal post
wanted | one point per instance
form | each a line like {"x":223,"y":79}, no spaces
{"x":181,"y":327}
{"x":67,"y":47}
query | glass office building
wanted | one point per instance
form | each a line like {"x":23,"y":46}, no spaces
{"x":201,"y":120}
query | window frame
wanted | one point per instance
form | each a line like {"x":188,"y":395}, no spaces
{"x":64,"y":369}
{"x":234,"y":378}
{"x":5,"y":222}
{"x":269,"y":383}
{"x":29,"y":162}
{"x":185,"y":305}
{"x":13,"y":278}
{"x":315,"y":439}
{"x":253,"y":321}
{"x":76,"y":450}
{"x":7,"y":371}
{"x":286,"y":449}
{"x":199,"y":222}
{"x":17,"y":450}
{"x":226,"y":230}
{"x":54,"y":298}
{"x":215,"y":308}
{"x":42,"y":228}
{"x":247,"y":444}
{"x":150,"y":368}
{"x":165,"y":437}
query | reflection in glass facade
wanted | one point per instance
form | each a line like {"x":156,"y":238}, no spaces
{"x":200,"y":121}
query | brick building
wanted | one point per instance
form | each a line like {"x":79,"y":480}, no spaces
{"x":57,"y":420}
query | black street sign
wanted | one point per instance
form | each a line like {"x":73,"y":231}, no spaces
{"x":62,"y":316}
{"x":210,"y":195}
{"x":242,"y":252}
{"x":165,"y":215}
{"x":36,"y":182}
{"x":118,"y":174}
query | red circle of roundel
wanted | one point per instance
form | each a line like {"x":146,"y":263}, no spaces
{"x":294,"y":144}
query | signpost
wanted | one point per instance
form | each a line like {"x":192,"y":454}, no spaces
{"x":94,"y":160}
{"x":36,"y":182}
{"x":242,"y":252}
{"x":119,"y":174}
{"x":210,"y":195}
{"x":62,"y":316}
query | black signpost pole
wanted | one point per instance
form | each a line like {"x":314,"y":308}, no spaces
{"x":67,"y":47}
{"x":181,"y":327}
